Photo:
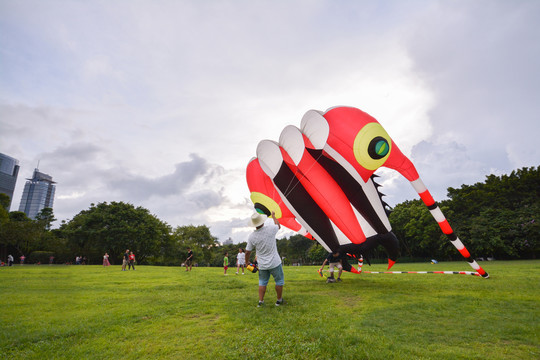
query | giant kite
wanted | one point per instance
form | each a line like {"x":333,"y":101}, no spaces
{"x":319,"y":181}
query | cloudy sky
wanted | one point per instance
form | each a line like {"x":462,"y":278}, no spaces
{"x":162,"y":103}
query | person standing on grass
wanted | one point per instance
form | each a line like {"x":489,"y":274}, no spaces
{"x":226,"y":263}
{"x":22,"y":259}
{"x":240,"y":261}
{"x":189,"y":260}
{"x":106,"y":260}
{"x":131,"y":260}
{"x":334,"y":260}
{"x":263,"y":240}
{"x":10,"y":260}
{"x":125,"y":260}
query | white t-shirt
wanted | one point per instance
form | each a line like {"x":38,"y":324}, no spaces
{"x":241,"y":258}
{"x":264,"y":240}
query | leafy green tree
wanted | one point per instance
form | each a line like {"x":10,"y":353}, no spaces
{"x":40,"y":256}
{"x":20,"y":232}
{"x":298,"y":247}
{"x":45,"y":217}
{"x":59,"y":246}
{"x":506,"y":234}
{"x":18,"y":216}
{"x":113,"y":228}
{"x":199,"y":239}
{"x":4,"y":216}
{"x":217,"y":253}
{"x":316,"y":253}
{"x":294,"y":249}
{"x":4,"y":200}
{"x":499,"y":217}
{"x":4,"y":213}
{"x":418,"y":232}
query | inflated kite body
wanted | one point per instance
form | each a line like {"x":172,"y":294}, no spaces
{"x":318,"y":179}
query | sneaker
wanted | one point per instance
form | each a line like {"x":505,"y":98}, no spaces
{"x":338,"y":279}
{"x":237,"y":273}
{"x":261,"y":303}
{"x":280,"y":302}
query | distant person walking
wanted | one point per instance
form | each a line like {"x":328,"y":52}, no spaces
{"x":10,"y":260}
{"x":51,"y":260}
{"x":106,"y":260}
{"x":125,"y":260}
{"x":263,"y":240}
{"x":240,"y":261}
{"x":131,"y":260}
{"x":22,"y":257}
{"x":226,"y":263}
{"x":189,"y":260}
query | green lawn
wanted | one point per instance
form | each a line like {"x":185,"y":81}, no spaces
{"x":91,"y":312}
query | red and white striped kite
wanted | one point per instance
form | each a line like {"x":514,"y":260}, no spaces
{"x":318,"y":179}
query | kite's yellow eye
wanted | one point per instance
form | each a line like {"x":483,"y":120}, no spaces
{"x":265,"y":205}
{"x":372,"y":146}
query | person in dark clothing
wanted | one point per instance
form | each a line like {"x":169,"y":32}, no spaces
{"x":125,"y":260}
{"x":189,"y":261}
{"x":334,"y":260}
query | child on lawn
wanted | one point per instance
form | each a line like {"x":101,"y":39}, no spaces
{"x":226,"y":263}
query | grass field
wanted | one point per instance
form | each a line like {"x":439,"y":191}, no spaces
{"x":91,"y":312}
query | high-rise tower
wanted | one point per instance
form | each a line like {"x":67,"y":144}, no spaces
{"x":38,"y":194}
{"x":9,"y":169}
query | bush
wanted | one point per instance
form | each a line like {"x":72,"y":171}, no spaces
{"x":40,"y":256}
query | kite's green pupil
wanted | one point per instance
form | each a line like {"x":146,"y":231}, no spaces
{"x":381,"y":148}
{"x":378,"y":148}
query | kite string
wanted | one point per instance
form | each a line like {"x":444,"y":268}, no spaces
{"x":289,"y":189}
{"x":424,"y":272}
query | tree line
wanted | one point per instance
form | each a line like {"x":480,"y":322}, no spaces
{"x":498,"y":218}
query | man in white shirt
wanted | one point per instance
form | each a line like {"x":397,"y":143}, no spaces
{"x":263,"y":239}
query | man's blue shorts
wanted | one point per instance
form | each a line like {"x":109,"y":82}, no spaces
{"x":277,"y":274}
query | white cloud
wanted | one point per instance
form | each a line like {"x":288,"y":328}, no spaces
{"x":113,"y":97}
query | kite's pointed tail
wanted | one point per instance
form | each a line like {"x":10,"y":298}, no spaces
{"x":445,"y":226}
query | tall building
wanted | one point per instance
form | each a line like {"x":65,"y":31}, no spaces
{"x":9,"y":169}
{"x":38,"y":194}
